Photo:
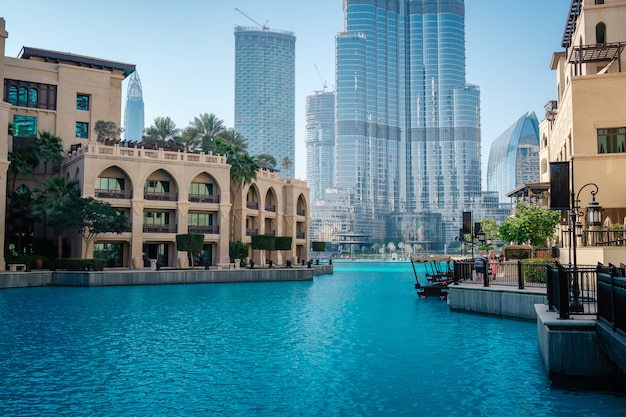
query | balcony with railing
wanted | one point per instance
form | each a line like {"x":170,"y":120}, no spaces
{"x":252,"y":205}
{"x":204,"y":198}
{"x":160,"y":196}
{"x":159,"y":228}
{"x":205,"y":230}
{"x":120,"y":194}
{"x":250,"y":232}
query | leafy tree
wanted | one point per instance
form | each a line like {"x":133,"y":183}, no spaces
{"x":107,"y":132}
{"x":206,"y":127}
{"x":92,"y":217}
{"x":266,"y":161}
{"x":162,"y":132}
{"x":190,"y":242}
{"x":531,"y":224}
{"x":237,"y":250}
{"x":49,"y":149}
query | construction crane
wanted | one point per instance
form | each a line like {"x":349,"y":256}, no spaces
{"x":263,"y":27}
{"x":321,"y":78}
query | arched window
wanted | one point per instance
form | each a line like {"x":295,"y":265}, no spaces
{"x":32,"y":97}
{"x":600,"y":33}
{"x":22,"y":97}
{"x":13,"y":95}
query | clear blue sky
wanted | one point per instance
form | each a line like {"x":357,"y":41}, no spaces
{"x":184,"y":50}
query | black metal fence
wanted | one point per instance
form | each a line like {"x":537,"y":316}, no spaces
{"x":510,"y":273}
{"x":612,"y":296}
{"x":572,"y":289}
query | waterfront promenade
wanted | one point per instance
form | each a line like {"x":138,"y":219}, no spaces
{"x":146,"y":276}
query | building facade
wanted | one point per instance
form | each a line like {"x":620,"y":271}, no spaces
{"x":161,"y":193}
{"x":514,"y":157}
{"x":320,"y":142}
{"x":586,"y":125}
{"x":134,"y":120}
{"x":265,"y":93}
{"x":407,"y":123}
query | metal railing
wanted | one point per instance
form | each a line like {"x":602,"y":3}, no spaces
{"x":612,"y":297}
{"x":509,"y":273}
{"x":572,"y":289}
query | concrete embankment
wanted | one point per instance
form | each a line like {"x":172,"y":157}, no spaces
{"x":499,"y":301}
{"x":149,"y":277}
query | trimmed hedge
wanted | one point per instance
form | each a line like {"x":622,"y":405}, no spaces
{"x":190,"y":242}
{"x":263,"y":242}
{"x":282,"y":243}
{"x":318,"y":246}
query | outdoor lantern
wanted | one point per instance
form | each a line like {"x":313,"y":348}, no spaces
{"x":578,"y":227}
{"x":481,"y":237}
{"x":594,"y":213}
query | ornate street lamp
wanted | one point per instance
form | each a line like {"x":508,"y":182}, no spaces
{"x":594,"y":218}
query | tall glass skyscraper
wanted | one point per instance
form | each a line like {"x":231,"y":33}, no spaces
{"x":265,"y":92}
{"x":320,"y":142}
{"x":134,"y":112}
{"x":514,"y":156}
{"x":408,"y":124}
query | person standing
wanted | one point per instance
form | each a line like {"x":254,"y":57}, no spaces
{"x":479,"y":266}
{"x":493,"y":264}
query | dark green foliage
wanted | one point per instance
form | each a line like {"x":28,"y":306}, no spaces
{"x":237,"y":250}
{"x":107,"y":132}
{"x":318,"y":246}
{"x":263,"y":242}
{"x":534,"y":270}
{"x":282,"y":243}
{"x":78,"y":264}
{"x":193,"y":242}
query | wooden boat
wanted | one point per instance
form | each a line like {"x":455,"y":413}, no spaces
{"x":439,"y":273}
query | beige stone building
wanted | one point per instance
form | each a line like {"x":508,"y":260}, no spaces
{"x":161,"y":193}
{"x":586,"y":125}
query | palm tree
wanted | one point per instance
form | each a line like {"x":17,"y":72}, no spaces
{"x":48,"y":148}
{"x":286,"y":163}
{"x":189,"y":140}
{"x":243,"y":169}
{"x":23,"y":162}
{"x":51,"y":201}
{"x":21,"y":216}
{"x":162,"y":132}
{"x":206,"y":127}
{"x":235,"y":138}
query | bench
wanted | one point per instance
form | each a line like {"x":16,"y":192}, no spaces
{"x":17,"y":267}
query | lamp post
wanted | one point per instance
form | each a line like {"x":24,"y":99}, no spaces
{"x":594,"y":218}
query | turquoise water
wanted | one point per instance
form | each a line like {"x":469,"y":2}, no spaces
{"x":356,"y":343}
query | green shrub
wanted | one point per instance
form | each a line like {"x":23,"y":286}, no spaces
{"x":79,"y":264}
{"x":534,"y":270}
{"x":318,"y":246}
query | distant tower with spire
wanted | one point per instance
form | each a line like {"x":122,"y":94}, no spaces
{"x":133,"y":114}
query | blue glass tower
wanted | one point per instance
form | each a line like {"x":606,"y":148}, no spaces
{"x":265,"y":92}
{"x":134,"y":112}
{"x":320,"y":142}
{"x":514,"y":156}
{"x":408,"y":124}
